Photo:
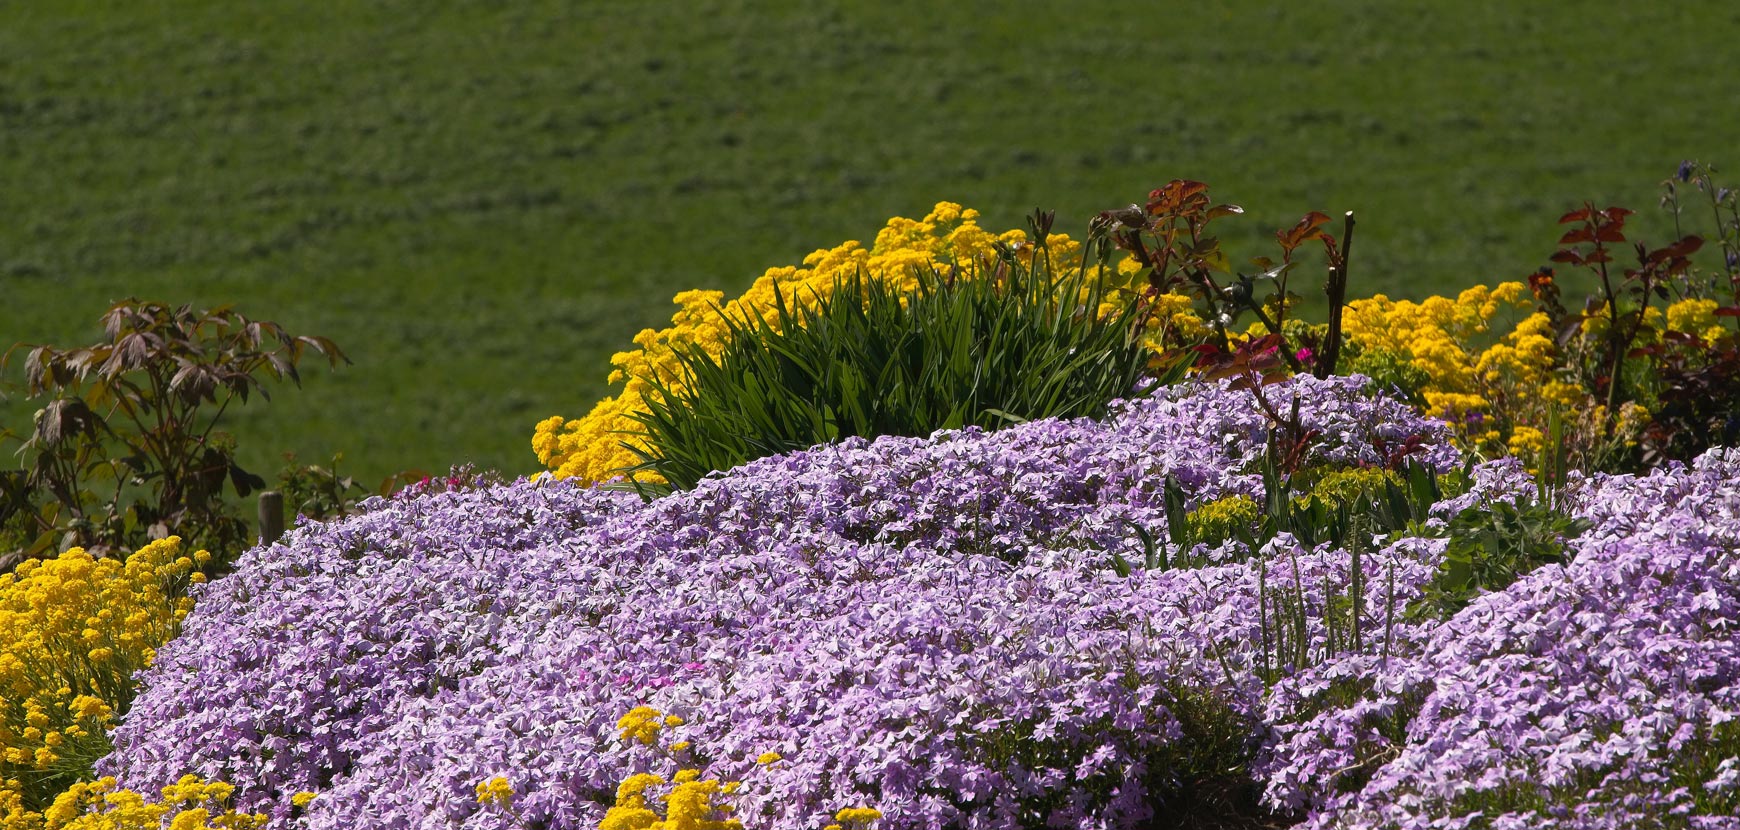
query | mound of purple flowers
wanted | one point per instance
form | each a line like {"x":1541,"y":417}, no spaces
{"x":1604,"y":693}
{"x":928,"y":626}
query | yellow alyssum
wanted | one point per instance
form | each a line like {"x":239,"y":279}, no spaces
{"x":592,"y":449}
{"x":189,"y":804}
{"x":690,"y":804}
{"x":1696,"y":317}
{"x":1172,"y":318}
{"x":643,"y":724}
{"x":856,"y":816}
{"x":1474,"y":372}
{"x":497,"y":791}
{"x":1594,"y":326}
{"x":73,"y":630}
{"x":1437,"y":335}
{"x":685,"y":800}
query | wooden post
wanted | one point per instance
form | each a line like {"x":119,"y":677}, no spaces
{"x":271,"y":516}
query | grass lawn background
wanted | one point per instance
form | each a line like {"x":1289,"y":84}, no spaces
{"x":481,"y":202}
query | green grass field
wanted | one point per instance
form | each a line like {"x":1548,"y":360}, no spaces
{"x":481,"y":202}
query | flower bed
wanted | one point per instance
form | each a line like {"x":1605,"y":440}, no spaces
{"x":934,"y":628}
{"x":1259,"y":598}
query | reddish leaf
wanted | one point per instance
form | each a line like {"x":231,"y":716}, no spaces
{"x":1684,"y":247}
{"x":1218,"y":211}
{"x":1267,"y":343}
{"x":1728,"y":311}
{"x":1568,"y":256}
{"x":1305,"y":229}
{"x":1574,"y":216}
{"x":1570,"y":327}
{"x":1177,"y":196}
{"x":181,"y":376}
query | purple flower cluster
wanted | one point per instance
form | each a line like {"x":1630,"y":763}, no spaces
{"x":930,"y":627}
{"x":1602,"y":693}
{"x":286,"y":665}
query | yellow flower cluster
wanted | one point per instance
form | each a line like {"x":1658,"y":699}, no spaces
{"x":691,"y":804}
{"x":1172,"y":319}
{"x":1595,"y":325}
{"x":73,"y":630}
{"x":1501,"y":397}
{"x":1496,"y":392}
{"x":591,"y":448}
{"x":497,"y":791}
{"x":644,"y":723}
{"x":855,"y":818}
{"x":1696,"y":317}
{"x":1438,"y":336}
{"x":688,"y":802}
{"x":190,"y":804}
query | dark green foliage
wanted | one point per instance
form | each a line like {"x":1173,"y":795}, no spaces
{"x":318,"y":492}
{"x":1397,"y":503}
{"x":1386,"y":503}
{"x":1492,"y":546}
{"x":994,"y":347}
{"x":1698,"y":402}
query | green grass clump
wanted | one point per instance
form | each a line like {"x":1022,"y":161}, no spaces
{"x":985,"y":345}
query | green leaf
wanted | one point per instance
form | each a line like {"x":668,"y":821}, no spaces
{"x":1118,"y":564}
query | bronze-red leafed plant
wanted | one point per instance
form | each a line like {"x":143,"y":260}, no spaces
{"x":126,"y":449}
{"x":1169,"y":238}
{"x":1622,"y":302}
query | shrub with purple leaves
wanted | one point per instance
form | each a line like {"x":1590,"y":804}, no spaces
{"x":930,"y":627}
